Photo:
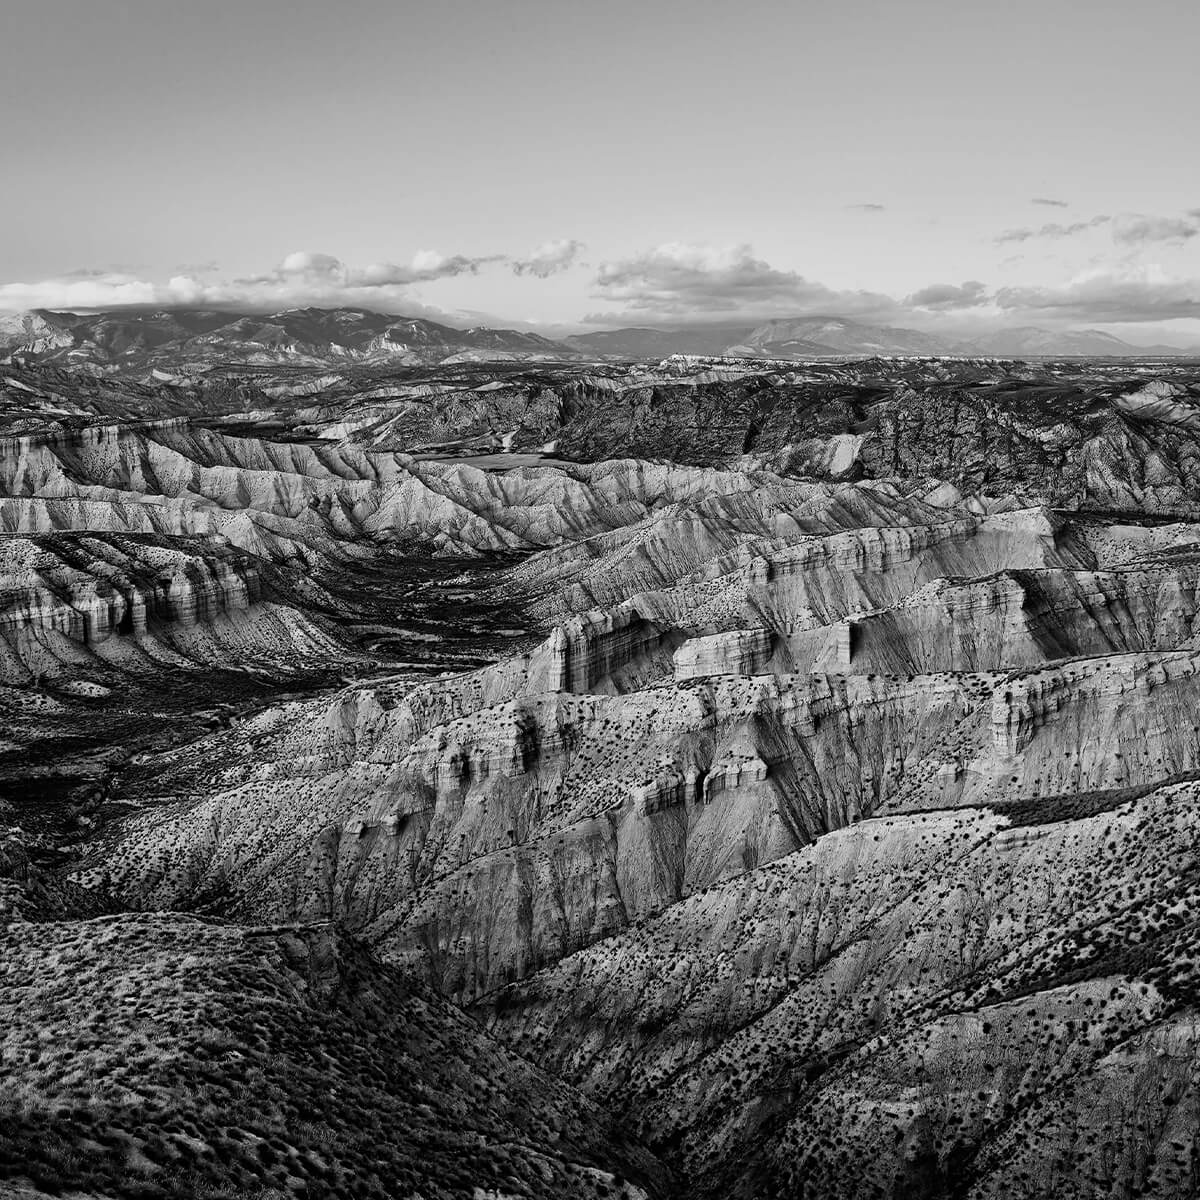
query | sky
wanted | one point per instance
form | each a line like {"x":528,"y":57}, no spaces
{"x":560,"y":164}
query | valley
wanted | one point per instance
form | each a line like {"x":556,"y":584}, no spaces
{"x":710,"y":776}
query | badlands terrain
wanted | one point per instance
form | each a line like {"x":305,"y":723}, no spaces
{"x":509,"y":772}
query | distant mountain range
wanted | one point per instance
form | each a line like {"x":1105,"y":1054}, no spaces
{"x":836,"y":335}
{"x":816,"y":337}
{"x":190,"y":339}
{"x":1032,"y":341}
{"x":658,"y":343}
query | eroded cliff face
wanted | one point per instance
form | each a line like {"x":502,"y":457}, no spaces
{"x":492,"y":821}
{"x":103,"y":603}
{"x":911,"y":1006}
{"x":830,"y":818}
{"x":497,"y":838}
{"x":289,"y":499}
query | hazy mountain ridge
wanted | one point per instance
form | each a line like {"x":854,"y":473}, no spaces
{"x":1036,"y":342}
{"x":802,"y":338}
{"x":843,"y":336}
{"x":126,"y":342}
{"x":181,"y":338}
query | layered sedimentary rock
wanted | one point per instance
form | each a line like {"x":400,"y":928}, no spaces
{"x":942,"y":1004}
{"x":283,"y":499}
{"x":820,"y":801}
{"x":494,"y":839}
{"x":73,"y":602}
{"x":1025,"y":617}
{"x":737,"y":652}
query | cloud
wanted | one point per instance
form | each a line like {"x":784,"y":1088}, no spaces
{"x":75,"y":291}
{"x":1136,"y":229}
{"x":677,"y":279}
{"x":425,"y":267}
{"x":308,"y":277}
{"x":948,"y":296}
{"x":1128,"y":229}
{"x":304,"y":277}
{"x":307,"y":268}
{"x":1047,"y":202}
{"x":549,"y":258}
{"x":671,"y":282}
{"x":1132,"y":294}
{"x":873,"y":208}
{"x":1052,"y":230}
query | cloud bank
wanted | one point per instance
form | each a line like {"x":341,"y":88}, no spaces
{"x":1136,"y":229}
{"x":672,"y":283}
{"x":1110,"y":296}
{"x":679,"y":279}
{"x":676,"y":282}
{"x":549,"y":258}
{"x":305,"y":277}
{"x":946,"y":297}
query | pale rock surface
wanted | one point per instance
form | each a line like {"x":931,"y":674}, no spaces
{"x":830,"y":821}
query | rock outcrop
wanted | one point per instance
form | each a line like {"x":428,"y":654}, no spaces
{"x":74,"y":605}
{"x":803,"y":771}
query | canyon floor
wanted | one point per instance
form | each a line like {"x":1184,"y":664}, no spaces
{"x":707,"y":778}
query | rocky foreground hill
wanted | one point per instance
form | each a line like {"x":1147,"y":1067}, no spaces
{"x":706,"y":778}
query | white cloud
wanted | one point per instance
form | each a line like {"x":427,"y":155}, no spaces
{"x":304,"y":277}
{"x":946,"y":296}
{"x":671,"y":283}
{"x":75,"y":291}
{"x":549,"y":258}
{"x":677,"y":280}
{"x":1133,"y":293}
{"x":1136,"y":229}
{"x":306,"y":262}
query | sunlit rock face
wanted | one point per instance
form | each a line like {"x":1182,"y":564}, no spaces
{"x":287,"y":499}
{"x":799,"y":764}
{"x":104,"y":604}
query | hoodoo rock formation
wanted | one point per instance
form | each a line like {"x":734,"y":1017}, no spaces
{"x":787,"y":786}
